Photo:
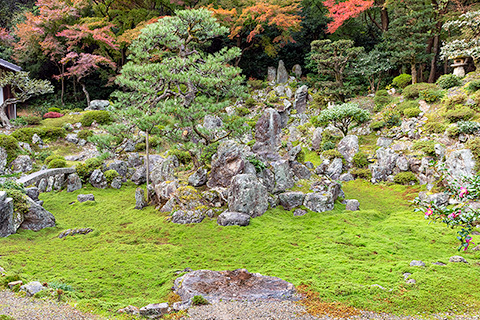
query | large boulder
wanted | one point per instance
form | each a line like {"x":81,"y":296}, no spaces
{"x":239,"y":284}
{"x":300,"y":170}
{"x":32,"y":288}
{"x":163,"y":170}
{"x":282,"y":73}
{"x":292,"y":199}
{"x":267,"y":132}
{"x":22,"y":163}
{"x":283,"y":176}
{"x":198,"y":178}
{"x":73,"y":182}
{"x":97,"y":179}
{"x":459,"y":164}
{"x":140,"y":201}
{"x":317,"y":139}
{"x":98,"y":105}
{"x":348,"y":147}
{"x":228,"y":162}
{"x":271,"y":74}
{"x":319,"y":201}
{"x":247,"y":195}
{"x":165,"y":190}
{"x":386,"y":163}
{"x":120,"y":166}
{"x":37,"y":217}
{"x":188,"y":216}
{"x":301,"y":96}
{"x":228,"y":218}
{"x":335,"y":169}
{"x":297,"y":70}
{"x":9,"y":221}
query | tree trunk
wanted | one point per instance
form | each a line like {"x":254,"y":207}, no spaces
{"x":84,"y":88}
{"x":414,"y":73}
{"x":385,"y":19}
{"x":3,"y":116}
{"x":436,"y":50}
{"x":62,"y":81}
{"x":148,"y":163}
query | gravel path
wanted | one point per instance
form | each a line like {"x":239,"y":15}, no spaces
{"x":35,"y":309}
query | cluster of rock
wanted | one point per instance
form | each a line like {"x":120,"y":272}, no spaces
{"x":73,"y":232}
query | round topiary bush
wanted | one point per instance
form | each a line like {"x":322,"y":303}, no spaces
{"x":405,"y":178}
{"x":99,"y":116}
{"x":10,"y":144}
{"x":54,"y":109}
{"x":377,"y":125}
{"x":411,"y":112}
{"x":51,"y":158}
{"x":402,"y":80}
{"x":57,"y":163}
{"x":110,"y":175}
{"x":413,"y":91}
{"x":361,"y":173}
{"x":84,"y":134}
{"x":448,"y":81}
{"x":360,"y":160}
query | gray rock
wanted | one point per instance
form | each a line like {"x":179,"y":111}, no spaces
{"x":283,"y":176}
{"x":299,"y":212}
{"x":165,"y":190}
{"x":247,"y":195}
{"x":271,"y":74}
{"x":301,"y":99}
{"x":300,"y":171}
{"x":139,"y":176}
{"x":42,"y":185}
{"x":198,"y":178}
{"x":282,"y":74}
{"x":134,"y":160}
{"x":439,"y":199}
{"x":309,"y":165}
{"x":417,"y":263}
{"x":386,"y":162}
{"x":32,"y":288}
{"x":3,"y":160}
{"x":317,"y":139}
{"x":128,"y":146}
{"x":438,"y":263}
{"x":188,"y":216}
{"x":346,"y":177}
{"x":267,"y":132}
{"x":37,"y":217}
{"x":33,"y":193}
{"x":411,"y":281}
{"x":116,"y":183}
{"x":406,"y":275}
{"x":85,"y":197}
{"x":98,"y":105}
{"x":239,"y":284}
{"x":155,"y":309}
{"x":348,"y":147}
{"x":439,"y":150}
{"x":457,"y":259}
{"x":335,"y":169}
{"x":73,"y":182}
{"x":25,"y":147}
{"x":384,"y":142}
{"x":319,"y":202}
{"x":36,"y":139}
{"x":297,"y":70}
{"x":130,"y":310}
{"x":292,"y":199}
{"x":267,"y":178}
{"x":120,"y":166}
{"x":402,"y":163}
{"x":249,"y":168}
{"x":59,"y":182}
{"x":352,"y":205}
{"x":140,"y":201}
{"x":8,"y":225}
{"x":97,"y":179}
{"x":22,"y":163}
{"x":293,"y":152}
{"x":211,"y":122}
{"x":228,"y":162}
{"x":228,"y":218}
{"x":459,"y":164}
{"x":163,"y":170}
{"x":72,"y":137}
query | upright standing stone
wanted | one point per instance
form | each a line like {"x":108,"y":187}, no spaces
{"x":140,"y":201}
{"x":282,"y":74}
{"x":301,"y":99}
{"x":267,"y":131}
{"x":272,"y":74}
{"x":297,"y":70}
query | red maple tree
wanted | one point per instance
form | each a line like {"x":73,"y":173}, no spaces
{"x":342,"y":11}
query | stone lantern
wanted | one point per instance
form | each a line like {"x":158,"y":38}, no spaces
{"x":459,"y":64}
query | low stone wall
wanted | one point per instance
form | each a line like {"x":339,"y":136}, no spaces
{"x":35,"y":177}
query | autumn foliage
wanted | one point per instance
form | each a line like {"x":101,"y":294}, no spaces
{"x":51,"y":114}
{"x":342,"y":11}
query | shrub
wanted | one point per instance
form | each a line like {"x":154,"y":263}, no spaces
{"x":382,"y":98}
{"x":199,"y":300}
{"x":411,"y":112}
{"x":474,"y":146}
{"x":407,"y":104}
{"x":51,"y":158}
{"x":47,"y":133}
{"x":328,"y":145}
{"x":10,"y":144}
{"x":65,"y":111}
{"x":255,"y":84}
{"x":16,"y":191}
{"x":54,"y":109}
{"x":343,"y":116}
{"x":413,"y":91}
{"x":402,"y":80}
{"x":57,"y":163}
{"x":320,"y":101}
{"x":453,"y":131}
{"x":431,"y":95}
{"x":453,"y":101}
{"x":110,"y":175}
{"x":377,"y":125}
{"x":243,"y":111}
{"x":361,"y":173}
{"x":99,"y":116}
{"x":435,"y":127}
{"x":32,"y":120}
{"x":257,"y":163}
{"x":50,"y":115}
{"x":459,"y":113}
{"x":301,"y":156}
{"x":183,"y":156}
{"x":427,"y":147}
{"x":391,"y":118}
{"x":84,"y":134}
{"x":468,"y":127}
{"x":142,"y":146}
{"x":360,"y":160}
{"x":448,"y":81}
{"x":84,"y":170}
{"x":250,"y":102}
{"x":208,"y":152}
{"x":473,"y":86}
{"x":405,"y":178}
{"x":42,"y":155}
{"x":332,"y":154}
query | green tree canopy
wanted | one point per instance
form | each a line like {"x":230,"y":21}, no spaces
{"x":342,"y":117}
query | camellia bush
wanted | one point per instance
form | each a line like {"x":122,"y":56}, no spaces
{"x":460,"y":215}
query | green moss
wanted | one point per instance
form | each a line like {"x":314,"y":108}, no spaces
{"x":110,"y":175}
{"x":10,"y":144}
{"x":402,"y":80}
{"x":99,"y":116}
{"x":411,"y":112}
{"x":459,"y":113}
{"x":435,"y":127}
{"x":427,"y":147}
{"x":57,"y":163}
{"x":405,"y":178}
{"x":362,"y":173}
{"x":377,"y":125}
{"x":85,"y":134}
{"x":413,"y":91}
{"x":474,"y":146}
{"x":360,"y":160}
{"x":199,"y":301}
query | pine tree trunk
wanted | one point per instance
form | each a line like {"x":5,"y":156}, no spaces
{"x":148,"y":163}
{"x":436,"y":50}
{"x":414,"y":73}
{"x":3,"y":116}
{"x":84,"y":88}
{"x":385,"y":19}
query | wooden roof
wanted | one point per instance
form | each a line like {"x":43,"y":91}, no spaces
{"x":9,"y":66}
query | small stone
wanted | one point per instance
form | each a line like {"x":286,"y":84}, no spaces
{"x":116,"y":183}
{"x":438,"y":263}
{"x":32,"y":288}
{"x":233,"y":219}
{"x":457,"y":259}
{"x":14,"y":283}
{"x":352,"y":205}
{"x":299,"y":212}
{"x":154,"y":309}
{"x":411,"y":281}
{"x":85,"y":197}
{"x":2,"y":272}
{"x":406,"y":275}
{"x":130,"y":310}
{"x":417,"y":263}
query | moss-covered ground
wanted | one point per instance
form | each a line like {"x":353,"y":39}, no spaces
{"x":132,"y":256}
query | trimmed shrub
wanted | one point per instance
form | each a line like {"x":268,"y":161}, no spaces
{"x":402,"y":80}
{"x":431,"y":95}
{"x":435,"y":127}
{"x":243,"y":111}
{"x":382,"y":98}
{"x":257,"y":163}
{"x":360,"y":160}
{"x":84,"y":134}
{"x":361,"y":173}
{"x":183,"y":156}
{"x":47,"y":133}
{"x":208,"y":152}
{"x":199,"y":300}
{"x":453,"y":101}
{"x":411,"y":112}
{"x":250,"y":102}
{"x":320,"y":101}
{"x":54,"y":109}
{"x":448,"y":81}
{"x":392,"y":119}
{"x":405,"y":178}
{"x":51,"y":115}
{"x":110,"y":175}
{"x":377,"y":125}
{"x":51,"y":158}
{"x":407,"y":104}
{"x":332,"y":154}
{"x":427,"y":147}
{"x":453,"y":132}
{"x":301,"y":156}
{"x":10,"y":144}
{"x":473,"y":86}
{"x":413,"y":91}
{"x":328,"y":145}
{"x":459,"y":113}
{"x":84,"y":170}
{"x":142,"y":146}
{"x":99,"y":116}
{"x":57,"y":163}
{"x":32,"y":120}
{"x":255,"y":84}
{"x":468,"y":127}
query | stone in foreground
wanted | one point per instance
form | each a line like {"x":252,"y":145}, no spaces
{"x":457,"y":259}
{"x":417,"y":263}
{"x":239,"y":284}
{"x":154,"y":309}
{"x":32,"y":288}
{"x":352,"y":205}
{"x":228,"y":218}
{"x":85,"y":197}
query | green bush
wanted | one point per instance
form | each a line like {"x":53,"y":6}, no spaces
{"x":413,"y":91}
{"x":139,"y":147}
{"x":57,"y":163}
{"x":42,"y":155}
{"x":99,"y":116}
{"x":10,"y":144}
{"x":257,"y":163}
{"x":17,"y":193}
{"x":84,"y":134}
{"x":451,"y":102}
{"x":453,"y":131}
{"x":55,"y":109}
{"x":301,"y":156}
{"x":332,"y":154}
{"x":46,"y":133}
{"x":52,"y":157}
{"x":199,"y":300}
{"x":405,"y":178}
{"x":407,"y":104}
{"x":474,"y":146}
{"x":320,"y":101}
{"x":361,"y":173}
{"x":32,"y":120}
{"x":250,"y":102}
{"x":411,"y":112}
{"x":391,"y":119}
{"x":110,"y":175}
{"x":183,"y":156}
{"x":5,"y":317}
{"x":255,"y":84}
{"x":402,"y":80}
{"x":473,"y":86}
{"x":427,"y":147}
{"x":377,"y":125}
{"x":84,"y":170}
{"x":468,"y":127}
{"x":208,"y":152}
{"x":459,"y":113}
{"x":434,"y":127}
{"x":328,"y":145}
{"x":360,"y":160}
{"x":242,"y":111}
{"x":431,"y":95}
{"x":448,"y":81}
{"x":382,"y":98}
